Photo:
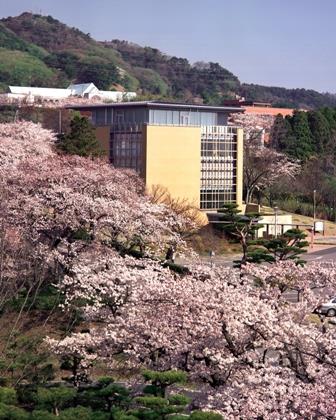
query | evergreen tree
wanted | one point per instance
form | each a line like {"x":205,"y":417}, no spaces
{"x":281,"y":132}
{"x":289,"y":246}
{"x":330,"y":115}
{"x":320,"y":130}
{"x":301,"y":146}
{"x":81,"y":140}
{"x":242,"y":227}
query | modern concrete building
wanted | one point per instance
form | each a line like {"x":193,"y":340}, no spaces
{"x":189,"y":149}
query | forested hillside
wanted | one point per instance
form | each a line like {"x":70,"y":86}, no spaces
{"x":39,"y":50}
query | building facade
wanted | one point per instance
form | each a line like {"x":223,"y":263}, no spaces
{"x":188,"y":149}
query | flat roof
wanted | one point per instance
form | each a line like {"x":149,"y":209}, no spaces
{"x":155,"y":104}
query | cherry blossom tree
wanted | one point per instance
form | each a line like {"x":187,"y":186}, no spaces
{"x":61,"y":200}
{"x":90,"y":231}
{"x":77,"y":353}
{"x":264,"y":166}
{"x":55,"y":208}
{"x":259,"y":355}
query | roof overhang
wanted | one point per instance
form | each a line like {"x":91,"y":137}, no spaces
{"x":158,"y":105}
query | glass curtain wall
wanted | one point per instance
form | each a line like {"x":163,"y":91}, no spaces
{"x":218,"y":166}
{"x":126,"y":146}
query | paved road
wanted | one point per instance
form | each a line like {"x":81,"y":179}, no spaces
{"x":322,"y":255}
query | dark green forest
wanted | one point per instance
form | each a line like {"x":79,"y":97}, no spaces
{"x":310,"y":138}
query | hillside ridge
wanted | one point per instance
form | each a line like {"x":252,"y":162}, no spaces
{"x":50,"y":53}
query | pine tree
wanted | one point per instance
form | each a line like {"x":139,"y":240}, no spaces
{"x":242,"y":227}
{"x":81,"y":140}
{"x":289,"y":246}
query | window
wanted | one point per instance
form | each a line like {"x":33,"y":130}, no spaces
{"x":120,"y":117}
{"x":184,"y":118}
{"x":101,"y":116}
{"x":126,"y":148}
{"x":218,"y":162}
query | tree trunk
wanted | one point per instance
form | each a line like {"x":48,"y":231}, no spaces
{"x":244,"y":248}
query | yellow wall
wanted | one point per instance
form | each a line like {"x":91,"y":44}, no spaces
{"x":240,"y":163}
{"x":172,"y":158}
{"x":103,"y":136}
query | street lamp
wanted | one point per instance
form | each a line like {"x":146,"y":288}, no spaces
{"x":276,"y":209}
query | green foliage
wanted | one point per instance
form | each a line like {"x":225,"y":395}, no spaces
{"x":289,"y":246}
{"x":105,"y":380}
{"x":179,"y":417}
{"x":121,"y":415}
{"x":257,"y":254}
{"x":7,"y":396}
{"x":281,"y":132}
{"x":46,"y":32}
{"x":205,"y":415}
{"x":287,"y":98}
{"x":81,"y":140}
{"x":10,"y":412}
{"x":179,"y":399}
{"x":44,"y":299}
{"x":10,"y":41}
{"x":75,"y":56}
{"x":310,"y":137}
{"x":151,"y":81}
{"x":26,"y":359}
{"x":152,"y":402}
{"x":103,"y":75}
{"x":130,"y":83}
{"x":81,"y":234}
{"x":103,"y":400}
{"x":168,"y":377}
{"x":7,"y":113}
{"x":55,"y":398}
{"x":42,"y":415}
{"x":161,"y":380}
{"x":82,"y":413}
{"x":241,"y":227}
{"x":21,"y":68}
{"x":68,"y":62}
{"x":115,"y":394}
{"x":320,"y":130}
{"x":301,"y":145}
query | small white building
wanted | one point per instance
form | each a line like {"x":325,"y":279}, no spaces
{"x":272,"y":224}
{"x":83,"y":90}
{"x":31,"y":93}
{"x":115,"y":96}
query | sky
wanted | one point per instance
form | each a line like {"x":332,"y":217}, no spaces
{"x":288,"y":43}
